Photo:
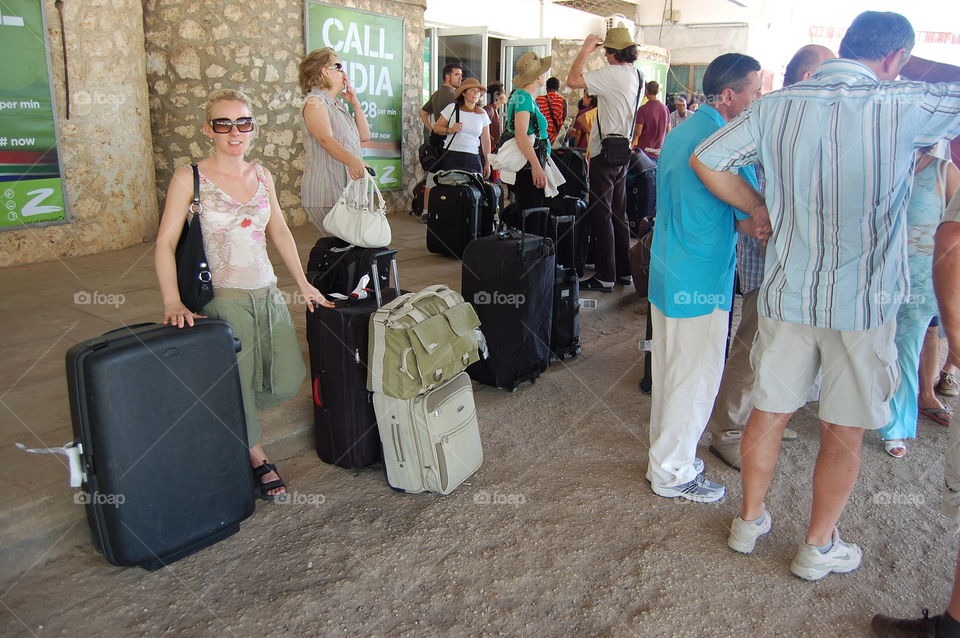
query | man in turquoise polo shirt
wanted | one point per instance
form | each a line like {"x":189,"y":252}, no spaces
{"x":691,"y":280}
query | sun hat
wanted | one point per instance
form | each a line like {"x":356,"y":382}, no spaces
{"x":529,"y":67}
{"x":466,"y":85}
{"x":618,"y":38}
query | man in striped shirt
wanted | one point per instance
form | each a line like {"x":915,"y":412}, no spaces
{"x":837,"y":151}
{"x":735,"y":397}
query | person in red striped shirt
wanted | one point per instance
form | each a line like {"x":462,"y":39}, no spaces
{"x":554,"y":108}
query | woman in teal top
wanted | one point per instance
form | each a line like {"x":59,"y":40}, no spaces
{"x":934,"y":183}
{"x":523,"y":114}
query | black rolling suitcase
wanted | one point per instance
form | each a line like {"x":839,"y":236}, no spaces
{"x":490,"y":208}
{"x":508,"y":277}
{"x":336,"y":267}
{"x":454,"y":220}
{"x":565,"y":325}
{"x":641,"y":185}
{"x":158,"y":416}
{"x":338,"y":338}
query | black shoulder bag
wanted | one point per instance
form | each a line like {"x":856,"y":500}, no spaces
{"x":615,"y":149}
{"x":193,"y":274}
{"x":429,"y":153}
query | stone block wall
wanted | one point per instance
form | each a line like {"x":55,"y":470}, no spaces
{"x":195,"y":48}
{"x":105,"y":145}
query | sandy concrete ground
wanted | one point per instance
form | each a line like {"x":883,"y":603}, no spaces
{"x":558,"y":534}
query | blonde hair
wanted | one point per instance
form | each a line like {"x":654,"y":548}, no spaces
{"x":311,"y":69}
{"x":226,"y":95}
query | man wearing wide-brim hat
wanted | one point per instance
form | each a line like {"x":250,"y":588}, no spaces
{"x":617,"y":87}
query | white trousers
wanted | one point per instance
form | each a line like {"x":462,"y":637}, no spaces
{"x":687,"y":362}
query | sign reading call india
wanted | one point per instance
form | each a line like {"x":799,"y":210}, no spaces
{"x":31,"y":188}
{"x":370,"y":46}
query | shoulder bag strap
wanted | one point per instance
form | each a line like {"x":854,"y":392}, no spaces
{"x":550,"y":112}
{"x":456,"y":114}
{"x":195,"y":206}
{"x":635,"y":106}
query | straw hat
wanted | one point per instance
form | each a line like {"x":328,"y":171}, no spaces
{"x":529,"y":67}
{"x":466,"y":85}
{"x":618,"y":38}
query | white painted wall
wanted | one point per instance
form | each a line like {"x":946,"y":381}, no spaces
{"x":514,"y":19}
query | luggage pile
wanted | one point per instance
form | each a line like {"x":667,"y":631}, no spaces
{"x":420,"y":345}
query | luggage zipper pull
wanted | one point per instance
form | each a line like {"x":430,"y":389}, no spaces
{"x":356,"y":355}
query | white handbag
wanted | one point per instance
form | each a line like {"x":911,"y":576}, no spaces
{"x":360,"y":215}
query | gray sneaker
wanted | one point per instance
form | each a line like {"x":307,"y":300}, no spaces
{"x":699,"y":490}
{"x":729,"y":453}
{"x":697,"y":466}
{"x":744,"y":534}
{"x":810,"y":564}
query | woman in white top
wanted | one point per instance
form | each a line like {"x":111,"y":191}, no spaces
{"x":467,"y":129}
{"x":240,"y":211}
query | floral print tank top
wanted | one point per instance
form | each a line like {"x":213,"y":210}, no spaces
{"x":234,"y":236}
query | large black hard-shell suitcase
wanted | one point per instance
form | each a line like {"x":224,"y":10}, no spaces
{"x":334,"y":266}
{"x":508,"y":277}
{"x":454,"y":219}
{"x":345,"y":425}
{"x":159,"y":414}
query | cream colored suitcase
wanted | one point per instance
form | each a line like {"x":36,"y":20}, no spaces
{"x":431,"y":443}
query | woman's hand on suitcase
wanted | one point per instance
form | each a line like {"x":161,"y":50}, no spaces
{"x":176,"y":314}
{"x":313,"y":298}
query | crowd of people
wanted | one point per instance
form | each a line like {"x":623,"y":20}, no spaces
{"x":829,"y":204}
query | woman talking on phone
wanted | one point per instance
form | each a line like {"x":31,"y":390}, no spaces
{"x":240,"y":211}
{"x":331,"y":135}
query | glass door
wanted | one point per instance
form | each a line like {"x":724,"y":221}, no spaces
{"x":466,"y":45}
{"x":512,"y":50}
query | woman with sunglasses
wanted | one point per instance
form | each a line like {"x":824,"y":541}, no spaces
{"x":239,"y":211}
{"x":331,"y":135}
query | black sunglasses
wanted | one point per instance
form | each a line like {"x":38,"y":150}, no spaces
{"x":336,"y":65}
{"x":223,"y":125}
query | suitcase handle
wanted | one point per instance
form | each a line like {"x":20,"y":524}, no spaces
{"x":317,"y":399}
{"x":526,"y":212}
{"x":375,"y":273}
{"x":569,"y":219}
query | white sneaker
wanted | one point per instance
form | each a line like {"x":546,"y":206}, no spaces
{"x":697,"y":467}
{"x":810,"y":564}
{"x":699,"y":490}
{"x":744,"y":534}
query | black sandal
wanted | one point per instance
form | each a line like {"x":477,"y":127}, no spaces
{"x":259,"y":473}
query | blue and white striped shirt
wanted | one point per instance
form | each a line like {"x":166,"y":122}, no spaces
{"x":838,"y":153}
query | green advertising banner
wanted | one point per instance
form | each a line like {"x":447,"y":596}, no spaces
{"x":370,"y":45}
{"x":654,"y":71}
{"x":31,"y":188}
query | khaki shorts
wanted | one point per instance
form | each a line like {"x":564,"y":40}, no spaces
{"x":860,"y":371}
